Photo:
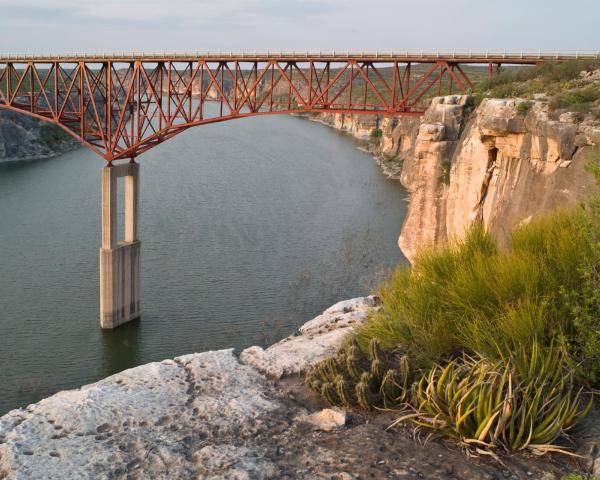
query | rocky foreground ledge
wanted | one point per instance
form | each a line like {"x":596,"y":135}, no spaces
{"x":219,"y":416}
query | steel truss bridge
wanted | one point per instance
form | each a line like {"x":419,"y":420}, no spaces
{"x":121,"y":105}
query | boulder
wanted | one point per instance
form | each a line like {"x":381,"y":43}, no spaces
{"x":325,"y":420}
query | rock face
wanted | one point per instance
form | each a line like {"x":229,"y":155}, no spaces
{"x":509,"y":168}
{"x":204,"y":415}
{"x":500,"y":164}
{"x":211,"y":416}
{"x":434,"y":144}
{"x":356,"y":125}
{"x":157,"y":418}
{"x":25,"y":138}
{"x":315,"y":340}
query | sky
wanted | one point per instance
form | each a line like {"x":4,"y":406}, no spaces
{"x":60,"y":26}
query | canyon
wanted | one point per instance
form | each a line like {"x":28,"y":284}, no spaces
{"x":495,"y":163}
{"x":226,"y":415}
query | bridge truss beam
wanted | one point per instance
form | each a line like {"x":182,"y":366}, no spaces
{"x":121,"y":108}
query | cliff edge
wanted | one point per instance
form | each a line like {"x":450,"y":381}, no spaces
{"x":217,"y":415}
{"x":502,"y":163}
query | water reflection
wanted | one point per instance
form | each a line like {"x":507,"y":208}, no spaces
{"x":121,"y":347}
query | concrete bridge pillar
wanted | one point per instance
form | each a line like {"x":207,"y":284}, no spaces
{"x":119,"y":259}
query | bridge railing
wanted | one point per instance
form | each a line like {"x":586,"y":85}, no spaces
{"x":300,"y":55}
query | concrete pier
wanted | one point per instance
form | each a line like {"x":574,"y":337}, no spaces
{"x":119,"y":258}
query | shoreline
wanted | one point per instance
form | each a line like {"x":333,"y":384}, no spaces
{"x":390,"y":167}
{"x":13,"y":160}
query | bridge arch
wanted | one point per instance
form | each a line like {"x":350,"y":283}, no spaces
{"x":123,"y":105}
{"x":120,"y":106}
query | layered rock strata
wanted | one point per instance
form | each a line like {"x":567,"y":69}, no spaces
{"x":502,"y":163}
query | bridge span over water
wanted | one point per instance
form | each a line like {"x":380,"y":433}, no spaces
{"x":122,"y":104}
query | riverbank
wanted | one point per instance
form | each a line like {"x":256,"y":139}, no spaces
{"x":227,"y":416}
{"x":23,"y":138}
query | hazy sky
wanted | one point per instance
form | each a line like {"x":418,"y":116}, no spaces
{"x":38,"y":26}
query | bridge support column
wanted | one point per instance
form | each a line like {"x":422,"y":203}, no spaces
{"x":119,"y":259}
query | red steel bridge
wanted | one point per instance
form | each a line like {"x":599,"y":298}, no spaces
{"x":121,"y":105}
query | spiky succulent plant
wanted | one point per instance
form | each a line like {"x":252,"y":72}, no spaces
{"x":376,"y":378}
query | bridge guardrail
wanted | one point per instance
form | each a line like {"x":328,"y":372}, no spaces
{"x":298,"y":56}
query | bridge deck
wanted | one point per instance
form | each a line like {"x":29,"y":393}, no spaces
{"x":526,"y":58}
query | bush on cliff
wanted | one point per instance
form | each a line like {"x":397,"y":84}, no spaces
{"x":524,"y":400}
{"x":473,"y":296}
{"x":52,"y":135}
{"x":476,"y":300}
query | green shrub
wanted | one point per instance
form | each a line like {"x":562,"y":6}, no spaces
{"x":472,"y":296}
{"x":553,"y":78}
{"x":376,"y":133}
{"x":470,"y":103}
{"x":375,"y":378}
{"x":582,"y":299}
{"x":501,"y":338}
{"x":52,"y":135}
{"x":580,"y":99}
{"x":575,"y":476}
{"x":444,"y":177}
{"x":525,"y":400}
{"x":523,"y":108}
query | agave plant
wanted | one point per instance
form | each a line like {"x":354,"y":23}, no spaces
{"x":526,"y":400}
{"x":376,"y":378}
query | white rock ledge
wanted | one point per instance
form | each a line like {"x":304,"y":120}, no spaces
{"x":203,"y":415}
{"x":314,"y":341}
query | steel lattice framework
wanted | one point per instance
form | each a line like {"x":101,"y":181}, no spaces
{"x":123,"y":105}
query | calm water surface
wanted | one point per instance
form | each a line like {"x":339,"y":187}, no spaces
{"x":248,"y":229}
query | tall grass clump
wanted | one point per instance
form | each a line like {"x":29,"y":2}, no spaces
{"x":472,"y":296}
{"x":582,"y":300}
{"x":502,"y":343}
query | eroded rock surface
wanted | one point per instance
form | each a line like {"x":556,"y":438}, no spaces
{"x":209,"y":416}
{"x":314,"y":341}
{"x":156,"y":418}
{"x":25,"y":138}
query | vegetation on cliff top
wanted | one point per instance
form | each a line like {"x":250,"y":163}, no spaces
{"x":52,"y":135}
{"x":564,"y":83}
{"x":503,"y":343}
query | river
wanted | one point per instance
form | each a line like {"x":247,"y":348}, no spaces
{"x":248,"y":228}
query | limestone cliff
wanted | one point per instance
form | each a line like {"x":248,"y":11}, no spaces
{"x":25,"y":138}
{"x":499,"y":163}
